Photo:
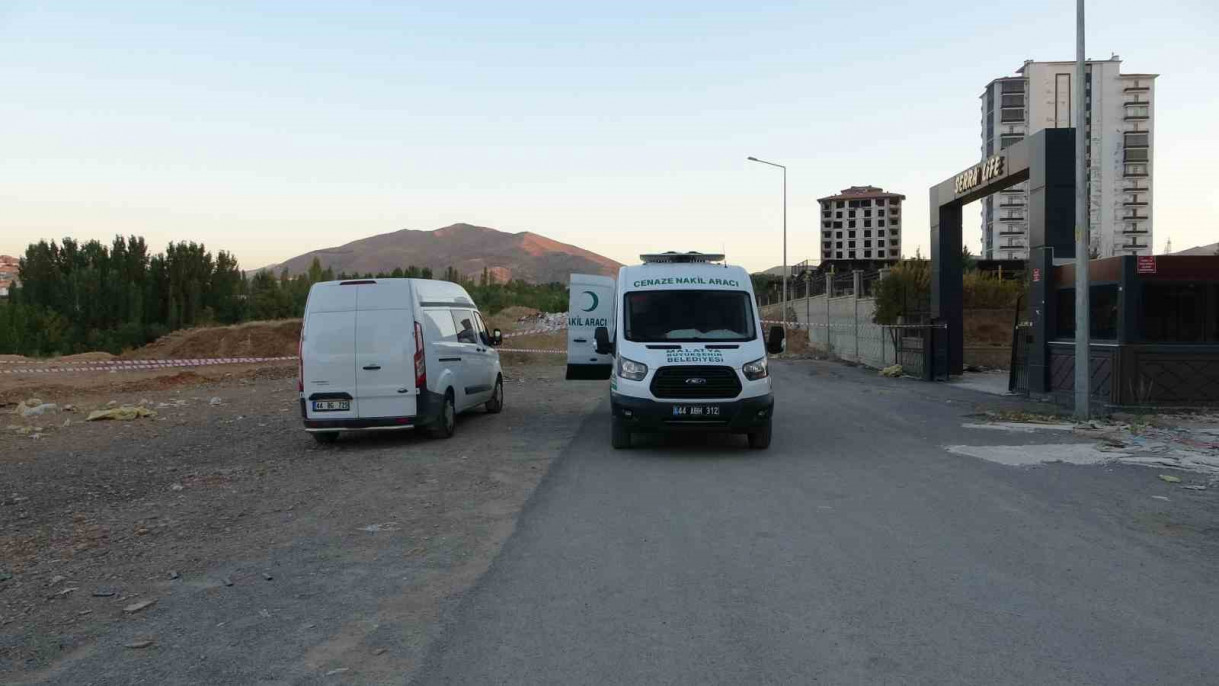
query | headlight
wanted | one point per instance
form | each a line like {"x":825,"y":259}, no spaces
{"x":630,"y":369}
{"x":755,"y":370}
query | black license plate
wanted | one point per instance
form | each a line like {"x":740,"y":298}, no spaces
{"x":696,"y":411}
{"x":331,"y":405}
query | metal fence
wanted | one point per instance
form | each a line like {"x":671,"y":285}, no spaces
{"x":1018,"y":376}
{"x":878,"y":345}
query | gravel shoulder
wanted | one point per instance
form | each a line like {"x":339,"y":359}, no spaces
{"x":216,"y":543}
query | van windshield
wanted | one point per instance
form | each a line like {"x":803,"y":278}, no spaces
{"x":689,"y":316}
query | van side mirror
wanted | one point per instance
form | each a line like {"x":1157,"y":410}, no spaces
{"x":497,"y":337}
{"x":776,"y":343}
{"x":604,"y":345}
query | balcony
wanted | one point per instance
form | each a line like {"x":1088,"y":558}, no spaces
{"x":1136,"y":87}
{"x":1011,"y":232}
{"x":1136,"y":117}
{"x":1134,"y":203}
{"x":1134,"y":216}
{"x":1135,"y":232}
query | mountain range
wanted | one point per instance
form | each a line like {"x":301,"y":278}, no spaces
{"x":525,"y":255}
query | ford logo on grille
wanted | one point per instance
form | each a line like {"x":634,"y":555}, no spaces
{"x":696,"y":380}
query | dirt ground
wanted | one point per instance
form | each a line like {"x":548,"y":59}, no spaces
{"x":266,"y":558}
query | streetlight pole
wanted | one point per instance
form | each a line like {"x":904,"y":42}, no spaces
{"x":754,"y":159}
{"x":1083,"y":353}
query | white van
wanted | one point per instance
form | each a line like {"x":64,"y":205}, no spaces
{"x":680,"y":340}
{"x":394,"y":354}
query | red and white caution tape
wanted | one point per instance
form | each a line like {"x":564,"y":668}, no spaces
{"x":551,"y":329}
{"x":137,"y":365}
{"x":531,"y":350}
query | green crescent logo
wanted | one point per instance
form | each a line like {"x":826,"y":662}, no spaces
{"x":596,"y":301}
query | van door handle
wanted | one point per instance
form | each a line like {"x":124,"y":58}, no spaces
{"x":579,"y":340}
{"x":372,"y":367}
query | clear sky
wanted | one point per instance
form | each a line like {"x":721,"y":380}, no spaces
{"x":273,"y":128}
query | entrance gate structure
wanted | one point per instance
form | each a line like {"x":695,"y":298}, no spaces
{"x":1046,"y":160}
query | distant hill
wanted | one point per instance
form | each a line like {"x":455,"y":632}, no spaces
{"x":525,"y":255}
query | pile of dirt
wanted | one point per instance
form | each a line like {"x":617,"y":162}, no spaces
{"x":87,"y":357}
{"x":253,"y":339}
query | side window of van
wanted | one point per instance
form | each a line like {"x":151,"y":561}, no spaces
{"x":442,"y":322}
{"x":467,"y":331}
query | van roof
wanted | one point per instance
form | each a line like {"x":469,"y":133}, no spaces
{"x":340,"y":295}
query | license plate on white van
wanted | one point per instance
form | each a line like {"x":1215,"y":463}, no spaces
{"x":331,"y":405}
{"x":696,"y":411}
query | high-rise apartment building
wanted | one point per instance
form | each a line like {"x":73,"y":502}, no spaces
{"x":1120,"y":128}
{"x":861,"y":223}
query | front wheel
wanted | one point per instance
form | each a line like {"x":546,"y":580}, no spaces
{"x":760,"y":439}
{"x":620,"y":435}
{"x":446,"y":423}
{"x":496,"y":404}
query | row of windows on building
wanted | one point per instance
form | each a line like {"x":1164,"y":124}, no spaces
{"x":864,"y":254}
{"x":894,"y":213}
{"x":867,"y":224}
{"x":851,"y":234}
{"x":867,"y":202}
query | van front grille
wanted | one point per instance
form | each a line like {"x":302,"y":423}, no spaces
{"x":695,"y":382}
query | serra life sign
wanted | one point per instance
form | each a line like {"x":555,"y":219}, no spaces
{"x":990,"y":168}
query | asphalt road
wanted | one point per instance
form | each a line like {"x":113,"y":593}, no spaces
{"x":855,"y":551}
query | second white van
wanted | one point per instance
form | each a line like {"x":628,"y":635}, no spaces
{"x":386,"y":354}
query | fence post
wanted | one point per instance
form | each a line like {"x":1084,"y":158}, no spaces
{"x":856,"y":286}
{"x":829,"y":293}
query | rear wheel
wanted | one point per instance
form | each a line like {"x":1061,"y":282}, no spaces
{"x":620,"y":435}
{"x":760,"y":439}
{"x":496,"y":404}
{"x":446,"y":423}
{"x":325,"y":437}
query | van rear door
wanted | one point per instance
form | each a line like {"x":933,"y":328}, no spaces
{"x":590,"y":305}
{"x":328,"y":353}
{"x":385,"y":350}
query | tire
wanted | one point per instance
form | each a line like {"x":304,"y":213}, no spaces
{"x":760,"y":439}
{"x":620,"y":435}
{"x":325,"y":437}
{"x":496,"y":404}
{"x":446,"y":423}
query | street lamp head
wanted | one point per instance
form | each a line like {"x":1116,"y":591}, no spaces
{"x":752,"y":159}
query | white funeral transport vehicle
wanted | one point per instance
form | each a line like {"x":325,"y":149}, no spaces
{"x":379,"y":354}
{"x":680,"y":339}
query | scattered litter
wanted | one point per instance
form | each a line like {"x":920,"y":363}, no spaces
{"x":124,"y":413}
{"x":105,"y":592}
{"x":1194,"y":487}
{"x":27,"y":410}
{"x":267,"y":576}
{"x":136,"y":645}
{"x":226,"y":581}
{"x":69,"y":408}
{"x":56,"y":579}
{"x":380,"y":651}
{"x":175,"y":576}
{"x":136,"y":607}
{"x":340,"y":670}
{"x":892,"y":371}
{"x":264,"y":613}
{"x":112,"y":403}
{"x":63,"y":592}
{"x":85,"y":612}
{"x":1160,"y":497}
{"x":176,"y":487}
{"x":1170,"y":478}
{"x":67,"y":422}
{"x":215,"y":401}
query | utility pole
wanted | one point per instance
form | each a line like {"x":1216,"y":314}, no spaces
{"x":784,"y":168}
{"x":1083,"y":356}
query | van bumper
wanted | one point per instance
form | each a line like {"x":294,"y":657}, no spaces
{"x":429,"y":405}
{"x":742,"y":415}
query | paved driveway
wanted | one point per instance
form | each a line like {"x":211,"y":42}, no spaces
{"x":855,"y":551}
